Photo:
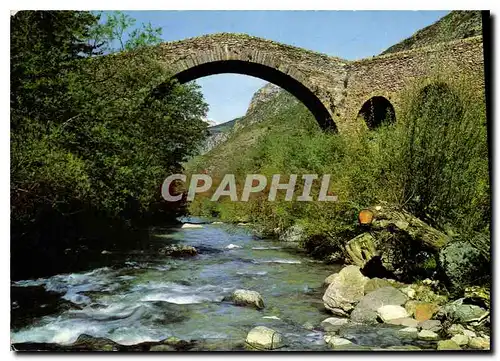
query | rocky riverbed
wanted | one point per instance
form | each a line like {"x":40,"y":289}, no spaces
{"x":218,"y":287}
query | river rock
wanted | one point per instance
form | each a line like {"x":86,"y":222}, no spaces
{"x":448,"y":345}
{"x":432,"y":325}
{"x":345,"y":290}
{"x":178,"y":250}
{"x":366,"y":310}
{"x":333,"y":324}
{"x":469,"y":333}
{"x":162,"y":348}
{"x":460,"y":339}
{"x":409,"y":292}
{"x":232,"y":246}
{"x":248,"y":298}
{"x":479,"y":343}
{"x":409,"y":332}
{"x":91,"y":343}
{"x":455,"y":329}
{"x":337,"y":342}
{"x":428,"y":335}
{"x":262,"y":337}
{"x":461,"y":312}
{"x":391,"y":312}
{"x":425,"y":311}
{"x":191,"y":225}
{"x":407,"y":321}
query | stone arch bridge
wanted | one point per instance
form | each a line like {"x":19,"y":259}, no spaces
{"x":335,"y":90}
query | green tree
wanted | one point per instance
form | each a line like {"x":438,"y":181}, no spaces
{"x":93,"y":134}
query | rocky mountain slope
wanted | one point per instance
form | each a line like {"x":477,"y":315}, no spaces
{"x":455,"y":25}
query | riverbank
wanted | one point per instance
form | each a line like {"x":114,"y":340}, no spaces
{"x":146,"y":300}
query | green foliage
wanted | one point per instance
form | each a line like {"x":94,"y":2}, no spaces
{"x":113,"y":34}
{"x":93,"y":135}
{"x":432,"y":161}
{"x":437,"y":155}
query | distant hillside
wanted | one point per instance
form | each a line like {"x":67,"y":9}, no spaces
{"x":279,"y":114}
{"x":455,"y":25}
{"x":223,"y":127}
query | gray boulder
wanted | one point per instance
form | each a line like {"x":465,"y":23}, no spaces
{"x":366,"y":310}
{"x":345,"y":290}
{"x":457,"y":311}
{"x":461,"y":262}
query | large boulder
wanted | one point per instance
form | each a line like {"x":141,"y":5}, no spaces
{"x":262,"y":337}
{"x":345,"y":290}
{"x":248,"y":298}
{"x":461,"y":263}
{"x":458,"y":311}
{"x":366,"y":310}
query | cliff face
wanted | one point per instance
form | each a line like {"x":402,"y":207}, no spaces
{"x":263,"y":95}
{"x":256,"y":112}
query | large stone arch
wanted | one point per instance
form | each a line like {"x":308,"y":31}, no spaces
{"x":311,"y":77}
{"x":270,"y":74}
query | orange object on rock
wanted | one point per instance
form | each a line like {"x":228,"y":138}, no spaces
{"x":365,"y":216}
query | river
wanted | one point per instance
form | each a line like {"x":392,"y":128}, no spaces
{"x":137,"y":296}
{"x":140,"y":295}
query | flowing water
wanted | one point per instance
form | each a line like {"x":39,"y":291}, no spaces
{"x":143,"y":296}
{"x":139,"y":295}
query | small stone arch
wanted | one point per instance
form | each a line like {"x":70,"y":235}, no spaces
{"x":377,"y":111}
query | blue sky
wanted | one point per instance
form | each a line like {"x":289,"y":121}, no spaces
{"x":347,"y":34}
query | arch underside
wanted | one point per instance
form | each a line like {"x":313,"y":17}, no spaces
{"x":272,"y":75}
